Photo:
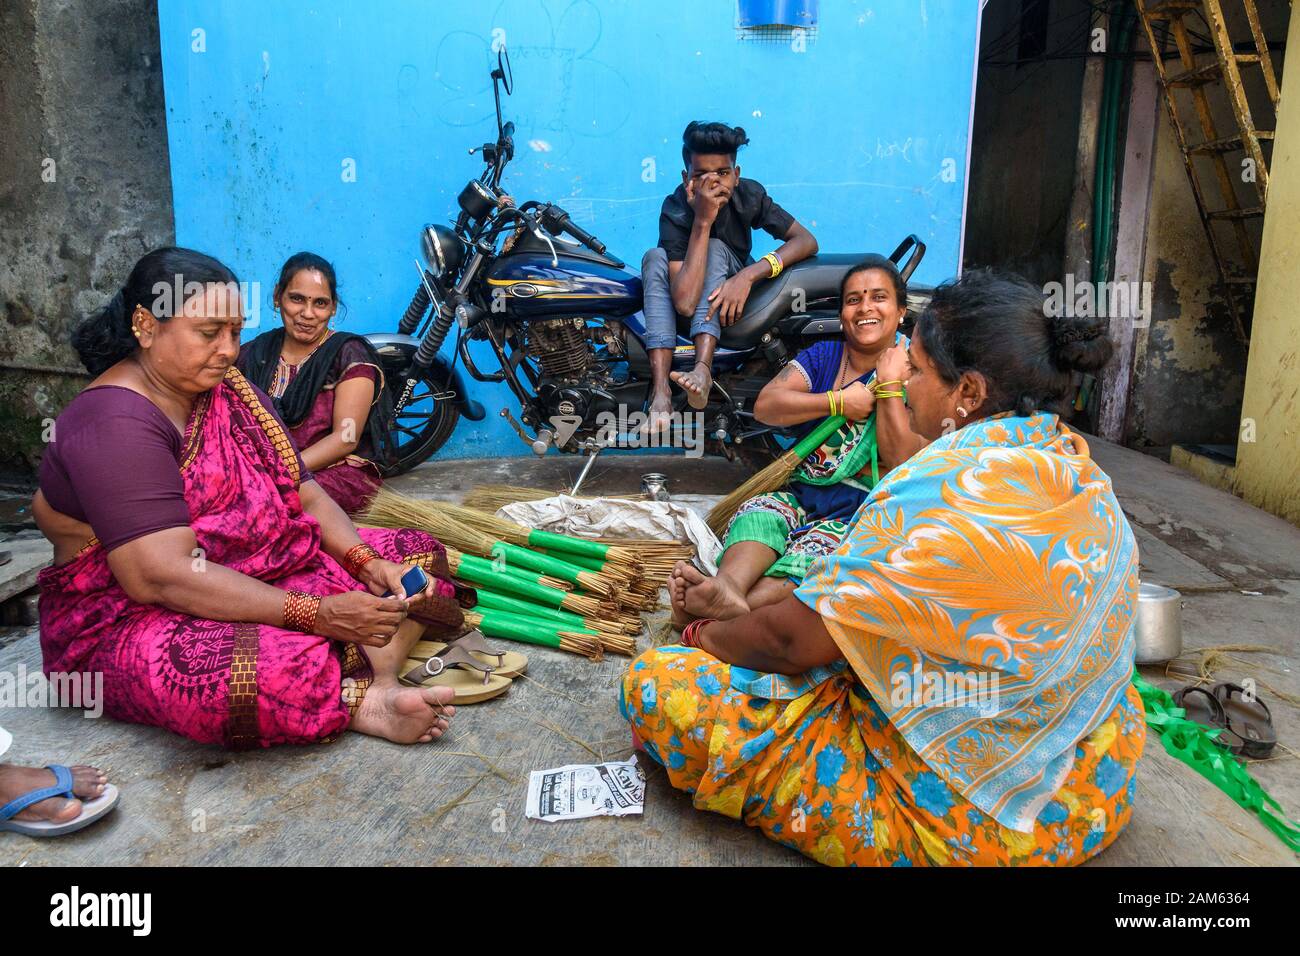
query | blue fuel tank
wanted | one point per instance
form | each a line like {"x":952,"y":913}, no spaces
{"x":579,"y":283}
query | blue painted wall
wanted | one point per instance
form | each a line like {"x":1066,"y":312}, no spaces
{"x":851,"y":135}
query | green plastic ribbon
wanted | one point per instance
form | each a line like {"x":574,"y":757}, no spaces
{"x":585,"y":562}
{"x":1196,"y":746}
{"x":817,"y":437}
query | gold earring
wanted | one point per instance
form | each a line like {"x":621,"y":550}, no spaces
{"x":137,"y":317}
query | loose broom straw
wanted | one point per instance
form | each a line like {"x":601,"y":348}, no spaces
{"x":478,"y":571}
{"x":510,"y":627}
{"x":774,"y":476}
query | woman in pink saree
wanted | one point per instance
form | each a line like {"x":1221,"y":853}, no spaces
{"x":326,"y":384}
{"x":221,"y":593}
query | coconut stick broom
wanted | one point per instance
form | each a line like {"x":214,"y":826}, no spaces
{"x":391,"y":510}
{"x":772,"y":477}
{"x":510,"y":627}
{"x":493,"y":601}
{"x":528,"y":537}
{"x":479,"y":571}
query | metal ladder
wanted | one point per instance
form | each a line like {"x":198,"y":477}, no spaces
{"x":1238,"y":274}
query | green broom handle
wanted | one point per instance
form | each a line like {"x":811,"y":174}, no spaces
{"x":568,"y":544}
{"x":543,"y":564}
{"x":504,"y":602}
{"x":480,"y":571}
{"x":584,"y":562}
{"x":523,"y":628}
{"x":817,"y":437}
{"x":493,"y":624}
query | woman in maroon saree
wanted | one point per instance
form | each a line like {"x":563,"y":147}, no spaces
{"x":221,"y":593}
{"x":327,"y":385}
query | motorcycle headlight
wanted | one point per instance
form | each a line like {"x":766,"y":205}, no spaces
{"x":443,"y":250}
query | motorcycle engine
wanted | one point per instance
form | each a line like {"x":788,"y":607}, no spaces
{"x":561,"y":348}
{"x":574,"y":380}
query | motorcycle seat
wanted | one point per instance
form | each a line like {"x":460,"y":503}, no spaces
{"x":771,"y":299}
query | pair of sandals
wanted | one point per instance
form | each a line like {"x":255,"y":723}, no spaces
{"x":466,"y":664}
{"x":1244,"y":719}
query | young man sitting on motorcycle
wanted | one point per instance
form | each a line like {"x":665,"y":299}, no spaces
{"x":702,"y":266}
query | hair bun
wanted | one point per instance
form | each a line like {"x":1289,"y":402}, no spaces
{"x":1080,"y":345}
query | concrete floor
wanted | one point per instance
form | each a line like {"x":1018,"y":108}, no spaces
{"x":361,"y":800}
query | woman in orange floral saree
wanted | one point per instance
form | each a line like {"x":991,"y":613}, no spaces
{"x":950,"y":687}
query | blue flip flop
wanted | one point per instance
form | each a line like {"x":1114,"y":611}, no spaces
{"x":91,"y":810}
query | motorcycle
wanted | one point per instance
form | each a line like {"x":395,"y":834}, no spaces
{"x":563,"y":319}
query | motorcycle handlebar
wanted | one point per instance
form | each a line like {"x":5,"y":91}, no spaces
{"x":561,"y":222}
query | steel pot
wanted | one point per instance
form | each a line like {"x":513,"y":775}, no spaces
{"x":1159,"y":624}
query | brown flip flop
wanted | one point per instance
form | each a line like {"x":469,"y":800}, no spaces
{"x":505,"y":663}
{"x":1247,"y":719}
{"x":456,"y":668}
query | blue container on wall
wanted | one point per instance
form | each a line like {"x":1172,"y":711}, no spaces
{"x":778,"y":13}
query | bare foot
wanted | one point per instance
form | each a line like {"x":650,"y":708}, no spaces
{"x":698,"y":382}
{"x":404,"y":715}
{"x":659,"y":416}
{"x":711,"y":597}
{"x":677,"y":595}
{"x":87,"y":783}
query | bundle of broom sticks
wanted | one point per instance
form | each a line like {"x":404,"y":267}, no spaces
{"x":657,"y":557}
{"x":600,"y":587}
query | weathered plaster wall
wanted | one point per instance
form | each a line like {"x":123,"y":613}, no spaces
{"x":1188,"y":365}
{"x":1268,"y":468}
{"x":82,"y":104}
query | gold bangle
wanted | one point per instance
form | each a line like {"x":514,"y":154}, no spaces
{"x":300,"y":610}
{"x":357,"y":557}
{"x":774,"y":264}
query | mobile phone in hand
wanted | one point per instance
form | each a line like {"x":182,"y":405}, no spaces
{"x":413,"y":582}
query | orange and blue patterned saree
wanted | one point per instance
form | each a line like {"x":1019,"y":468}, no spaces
{"x":984,"y":602}
{"x":1001,"y":553}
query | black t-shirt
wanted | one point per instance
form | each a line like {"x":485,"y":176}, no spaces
{"x":749,"y":208}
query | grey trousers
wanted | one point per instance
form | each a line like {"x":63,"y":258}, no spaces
{"x":660,"y":316}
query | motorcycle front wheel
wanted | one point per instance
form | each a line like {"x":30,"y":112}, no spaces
{"x":426,"y":421}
